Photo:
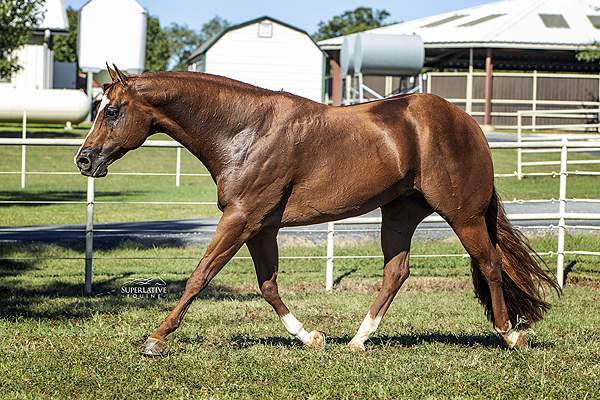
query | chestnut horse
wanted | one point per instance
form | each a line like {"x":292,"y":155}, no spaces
{"x":280,"y":160}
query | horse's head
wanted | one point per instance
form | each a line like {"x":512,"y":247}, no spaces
{"x":122,"y":123}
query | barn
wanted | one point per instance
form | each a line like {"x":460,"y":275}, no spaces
{"x":266,"y":53}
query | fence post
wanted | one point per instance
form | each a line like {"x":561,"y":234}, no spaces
{"x":178,"y":170}
{"x":23,"y":151}
{"x":562,"y":207}
{"x":89,"y":235}
{"x":519,"y":154}
{"x":329,"y":273}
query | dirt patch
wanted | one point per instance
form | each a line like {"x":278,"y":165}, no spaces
{"x":411,"y":284}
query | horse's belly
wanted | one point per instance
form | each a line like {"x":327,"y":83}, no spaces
{"x":311,"y":205}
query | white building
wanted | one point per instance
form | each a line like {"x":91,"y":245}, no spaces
{"x":266,"y":53}
{"x":37,"y":56}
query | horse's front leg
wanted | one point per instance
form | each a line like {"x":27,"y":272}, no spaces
{"x":230,"y":235}
{"x":264,"y":251}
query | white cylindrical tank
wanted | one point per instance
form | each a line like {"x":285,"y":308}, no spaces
{"x":347,"y":55}
{"x":44,"y":105}
{"x":388,"y":55}
{"x":112,"y":31}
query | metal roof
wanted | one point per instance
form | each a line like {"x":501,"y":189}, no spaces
{"x":530,"y":24}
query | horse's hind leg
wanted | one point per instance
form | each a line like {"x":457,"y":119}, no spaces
{"x":484,"y":257}
{"x":264,"y":251}
{"x":399,"y":221}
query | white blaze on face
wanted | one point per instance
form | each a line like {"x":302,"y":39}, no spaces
{"x":103,"y":104}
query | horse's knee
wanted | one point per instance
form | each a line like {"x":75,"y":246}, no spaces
{"x":269,"y":291}
{"x":491,"y":267}
{"x":397,"y":270}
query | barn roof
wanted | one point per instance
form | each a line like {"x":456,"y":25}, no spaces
{"x":542,"y":35}
{"x":540,"y":24}
{"x":210,"y":42}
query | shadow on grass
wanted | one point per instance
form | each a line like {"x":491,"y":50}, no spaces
{"x":10,"y":268}
{"x":488,"y":340}
{"x":41,"y":131}
{"x":65,"y":300}
{"x":24,"y":197}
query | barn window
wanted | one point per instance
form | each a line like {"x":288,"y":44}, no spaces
{"x":554,"y":21}
{"x":265,"y":29}
{"x":481,"y":20}
{"x":443,"y":21}
{"x":595,"y":20}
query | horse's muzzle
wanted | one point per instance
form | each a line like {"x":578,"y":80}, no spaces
{"x":90,"y":163}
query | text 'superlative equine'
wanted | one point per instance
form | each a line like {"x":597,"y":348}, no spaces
{"x":281,"y":160}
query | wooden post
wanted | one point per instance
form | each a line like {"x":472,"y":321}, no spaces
{"x":488,"y":89}
{"x":336,"y":84}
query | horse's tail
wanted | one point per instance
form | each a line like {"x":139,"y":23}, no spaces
{"x":523,"y":279}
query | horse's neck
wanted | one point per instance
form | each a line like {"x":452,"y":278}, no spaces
{"x":217,"y":123}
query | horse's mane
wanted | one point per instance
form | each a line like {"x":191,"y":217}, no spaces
{"x":150,"y":78}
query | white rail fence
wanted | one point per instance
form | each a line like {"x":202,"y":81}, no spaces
{"x":561,"y":217}
{"x":581,"y":113}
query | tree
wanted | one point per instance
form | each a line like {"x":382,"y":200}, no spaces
{"x":359,"y":20}
{"x":17,"y":19}
{"x":65,"y":47}
{"x":213,"y":27}
{"x":184,"y":41}
{"x":591,"y":52}
{"x":158,"y":50}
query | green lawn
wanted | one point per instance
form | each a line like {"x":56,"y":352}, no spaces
{"x":435,"y":342}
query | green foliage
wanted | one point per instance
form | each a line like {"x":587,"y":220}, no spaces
{"x":17,"y":19}
{"x":65,"y":47}
{"x":213,"y":27}
{"x":184,"y":40}
{"x":158,"y":50}
{"x":591,"y":52}
{"x":359,"y":20}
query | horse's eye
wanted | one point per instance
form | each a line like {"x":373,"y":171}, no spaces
{"x":111,"y":113}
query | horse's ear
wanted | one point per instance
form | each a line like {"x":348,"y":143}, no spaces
{"x":116,"y":75}
{"x":112,"y":73}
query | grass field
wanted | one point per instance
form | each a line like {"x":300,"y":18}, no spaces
{"x":434,"y":343}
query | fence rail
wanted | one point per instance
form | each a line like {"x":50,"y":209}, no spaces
{"x":562,"y":216}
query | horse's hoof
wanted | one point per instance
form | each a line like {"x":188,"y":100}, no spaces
{"x":316,"y":339}
{"x":356,"y":346}
{"x":513,"y":339}
{"x":153,"y":347}
{"x":519,"y":341}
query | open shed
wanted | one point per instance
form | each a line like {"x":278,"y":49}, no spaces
{"x":266,"y":53}
{"x":528,"y":36}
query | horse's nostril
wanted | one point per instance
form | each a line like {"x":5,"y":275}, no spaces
{"x":83,"y":162}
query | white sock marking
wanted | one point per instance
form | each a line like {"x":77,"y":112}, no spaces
{"x":295,"y":328}
{"x":367,"y":329}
